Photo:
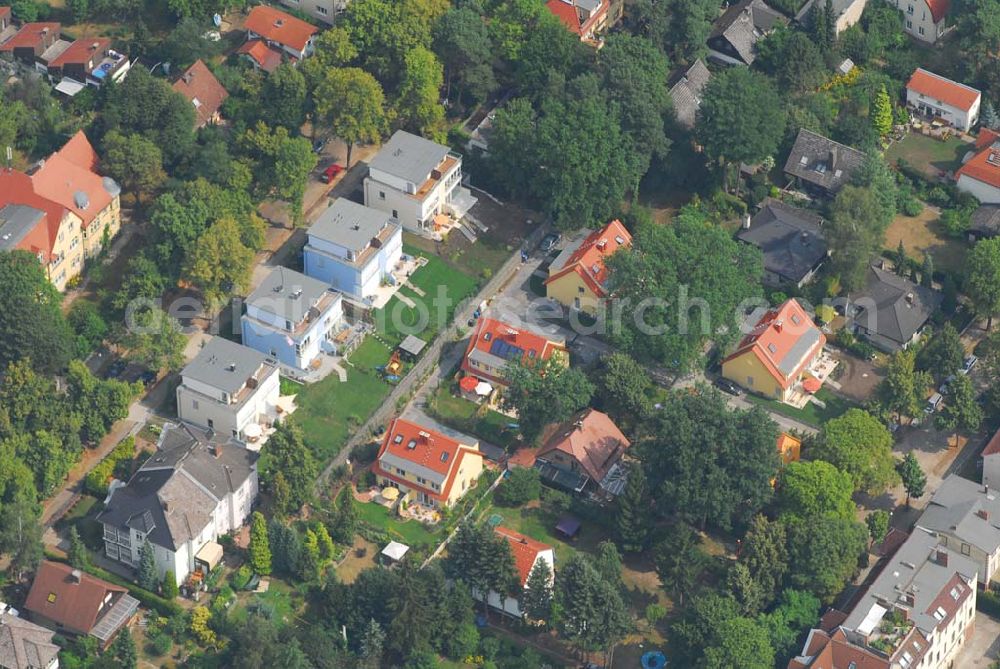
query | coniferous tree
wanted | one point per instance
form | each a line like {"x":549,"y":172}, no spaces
{"x":990,"y":118}
{"x":309,"y":559}
{"x":633,"y":512}
{"x":345,"y":517}
{"x":123,"y":650}
{"x":325,"y":543}
{"x":927,"y":272}
{"x":77,"y":554}
{"x":147,"y":568}
{"x":536,"y":602}
{"x":372,"y":645}
{"x":260,"y":546}
{"x":881,"y":112}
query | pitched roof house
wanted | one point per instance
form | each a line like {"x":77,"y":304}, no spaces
{"x":587,"y":447}
{"x":586,"y":18}
{"x":985,"y":223}
{"x":25,"y":645}
{"x":965,"y":515}
{"x":280,"y":29}
{"x":775,"y":356}
{"x":578,"y":276}
{"x":890,"y":312}
{"x":822,"y":164}
{"x":791,"y":240}
{"x":980,"y":175}
{"x":200,"y":87}
{"x":262,"y":55}
{"x":939,"y":97}
{"x":195,"y":488}
{"x":925,"y":20}
{"x":686,"y":93}
{"x":991,"y":462}
{"x":846,"y":13}
{"x":494,"y":343}
{"x":527,"y":553}
{"x":32,"y":40}
{"x":735,"y":34}
{"x":430,"y":467}
{"x":73,"y":602}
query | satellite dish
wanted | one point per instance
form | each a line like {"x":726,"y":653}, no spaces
{"x":217,"y":20}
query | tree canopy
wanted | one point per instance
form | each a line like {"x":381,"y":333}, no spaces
{"x":860,"y":446}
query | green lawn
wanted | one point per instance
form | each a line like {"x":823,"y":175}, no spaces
{"x":928,"y":154}
{"x":410,"y":532}
{"x":371,"y":354}
{"x":82,"y":516}
{"x":464,"y":415}
{"x":329,"y":411}
{"x":470,"y":259}
{"x":539,"y":522}
{"x":812,"y":414}
{"x":444,"y":286}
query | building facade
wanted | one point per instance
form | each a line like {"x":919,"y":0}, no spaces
{"x":321,"y":10}
{"x":415,"y":180}
{"x":292,"y":317}
{"x":227,"y":388}
{"x":578,"y":277}
{"x":939,"y":97}
{"x":923,"y":19}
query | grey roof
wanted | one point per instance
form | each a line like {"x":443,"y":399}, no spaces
{"x":822,"y":161}
{"x":16,"y":221}
{"x":413,"y":345}
{"x":804,"y":15}
{"x":288,"y":294}
{"x":25,"y":645}
{"x":986,"y":221}
{"x":121,"y":612}
{"x":958,"y":507}
{"x":173,"y":495}
{"x":686,"y":93}
{"x":225,"y":365}
{"x":790,"y":238}
{"x":350,"y":224}
{"x":901,"y":308}
{"x":914,"y":570}
{"x":803,"y":344}
{"x":409,"y":157}
{"x":744,"y":24}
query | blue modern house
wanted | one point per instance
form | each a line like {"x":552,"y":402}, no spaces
{"x":353,"y":248}
{"x":292,"y":317}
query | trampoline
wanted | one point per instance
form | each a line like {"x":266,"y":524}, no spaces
{"x":654,"y":660}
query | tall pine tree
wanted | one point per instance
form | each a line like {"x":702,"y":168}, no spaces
{"x":633,"y":512}
{"x":147,"y":568}
{"x":345,"y":517}
{"x":536,"y":601}
{"x":881,"y":112}
{"x":260,"y":545}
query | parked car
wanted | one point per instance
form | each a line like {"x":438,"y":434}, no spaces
{"x":968,"y":364}
{"x":727,"y":386}
{"x":548,"y":242}
{"x":330,"y":173}
{"x":318,"y":145}
{"x":933,"y":403}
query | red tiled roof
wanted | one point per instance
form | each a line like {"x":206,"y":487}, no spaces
{"x":491,"y":334}
{"x":994,"y":445}
{"x":83,"y":51}
{"x":569,"y":15}
{"x":17,"y":188}
{"x":835,"y":651}
{"x":275,"y":25}
{"x":432,"y":450}
{"x":266,"y":57}
{"x":592,"y":439}
{"x":984,"y":166}
{"x":776,"y":335}
{"x":56,"y":595}
{"x":525,"y":551}
{"x":198,"y":83}
{"x":4,"y":12}
{"x":66,"y":173}
{"x":588,"y":259}
{"x":986,"y":137}
{"x":940,"y":88}
{"x":30,"y":35}
{"x":939,"y":9}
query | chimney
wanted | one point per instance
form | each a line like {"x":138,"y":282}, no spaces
{"x":942,"y":558}
{"x":76,"y":575}
{"x":216,"y":450}
{"x":166,"y":505}
{"x":778,"y":325}
{"x":746,"y":221}
{"x":983,"y":513}
{"x":909,"y":299}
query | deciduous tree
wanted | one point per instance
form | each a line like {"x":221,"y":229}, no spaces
{"x":624,"y":388}
{"x":418,"y":104}
{"x":854,"y":235}
{"x":350,"y":101}
{"x":31,"y":320}
{"x":740,"y":644}
{"x":982,"y":279}
{"x":220,"y":264}
{"x":287,"y":453}
{"x":878,"y":524}
{"x":943,"y":353}
{"x":813,"y":489}
{"x":824,"y":554}
{"x":961,"y":411}
{"x":543,"y":392}
{"x":154,"y":339}
{"x":859,"y":445}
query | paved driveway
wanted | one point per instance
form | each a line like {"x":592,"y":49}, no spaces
{"x":984,"y":646}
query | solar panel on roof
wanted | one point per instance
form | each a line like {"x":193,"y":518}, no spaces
{"x":506,"y":350}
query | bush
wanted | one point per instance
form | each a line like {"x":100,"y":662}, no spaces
{"x":955,"y":222}
{"x":911,"y":206}
{"x":364,"y":454}
{"x":557,"y":499}
{"x":988,"y":602}
{"x":159,"y":644}
{"x":655,"y":613}
{"x":366,"y":480}
{"x":521,"y":486}
{"x":97,"y":480}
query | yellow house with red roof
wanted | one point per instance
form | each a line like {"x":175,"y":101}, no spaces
{"x":578,"y":276}
{"x":775,"y":357}
{"x":433,"y":469}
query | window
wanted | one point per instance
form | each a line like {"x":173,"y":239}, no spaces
{"x":909,"y":9}
{"x":194,"y":404}
{"x":211,"y":424}
{"x":939,"y":614}
{"x":321,"y":10}
{"x":581,"y":289}
{"x":750,"y":381}
{"x":381,"y":195}
{"x":920,"y":30}
{"x":399,"y":470}
{"x":395,"y":213}
{"x":909,"y":25}
{"x":965,"y":549}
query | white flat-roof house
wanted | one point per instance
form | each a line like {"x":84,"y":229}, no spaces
{"x":353,"y":248}
{"x":292,"y":317}
{"x":936,"y":96}
{"x":416,"y":180}
{"x":229,"y":387}
{"x":192,"y":490}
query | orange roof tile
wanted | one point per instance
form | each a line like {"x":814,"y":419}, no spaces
{"x":943,"y":89}
{"x":984,"y":166}
{"x":496,"y":338}
{"x":431,"y":449}
{"x":782,"y":332}
{"x":986,"y":137}
{"x":592,"y":439}
{"x":83,"y":51}
{"x":569,"y":15}
{"x":267,"y":58}
{"x":64,"y":176}
{"x":79,"y":151}
{"x":275,"y":25}
{"x":31,"y":35}
{"x":199,"y":84}
{"x":587,"y":260}
{"x":17,"y":188}
{"x":939,"y":9}
{"x":525,"y":550}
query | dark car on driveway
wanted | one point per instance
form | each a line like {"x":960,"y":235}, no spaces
{"x":548,"y":242}
{"x":727,"y":386}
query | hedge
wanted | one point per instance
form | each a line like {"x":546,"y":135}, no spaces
{"x":146,"y":598}
{"x":97,"y":479}
{"x":989,"y":603}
